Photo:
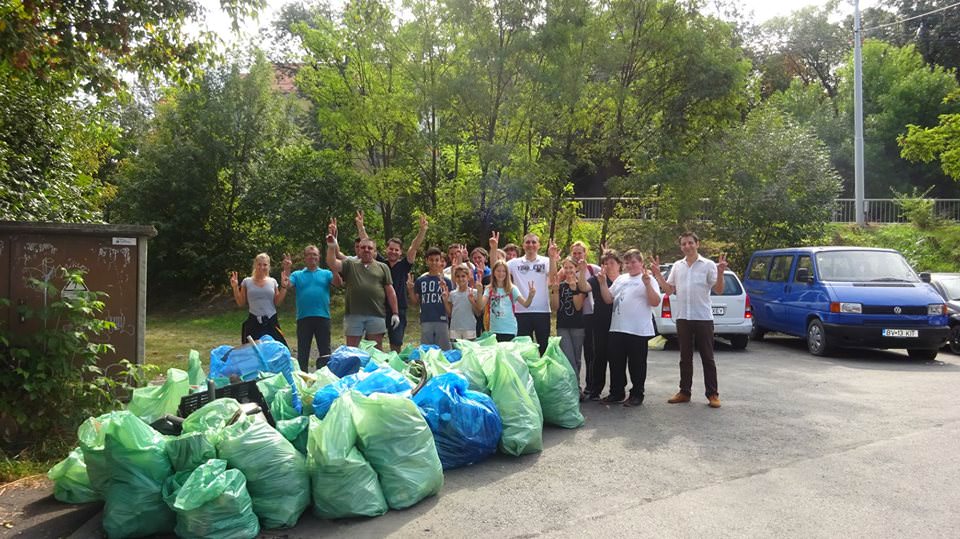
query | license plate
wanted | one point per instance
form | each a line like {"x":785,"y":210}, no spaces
{"x":719,"y":310}
{"x":900,"y":333}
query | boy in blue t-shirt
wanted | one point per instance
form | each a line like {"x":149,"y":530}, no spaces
{"x":432,"y":293}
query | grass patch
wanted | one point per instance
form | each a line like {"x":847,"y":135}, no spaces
{"x":34,"y":460}
{"x":171,"y":334}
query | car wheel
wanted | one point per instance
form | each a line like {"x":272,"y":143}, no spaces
{"x":758,"y":332}
{"x":954,"y":340}
{"x":922,"y":354}
{"x":739,"y":342}
{"x":817,"y":338}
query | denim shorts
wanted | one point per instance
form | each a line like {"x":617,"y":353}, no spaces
{"x":358,"y":325}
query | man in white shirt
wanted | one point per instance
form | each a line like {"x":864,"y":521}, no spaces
{"x":691,"y":279}
{"x":534,"y":321}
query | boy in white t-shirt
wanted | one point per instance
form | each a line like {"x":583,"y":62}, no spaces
{"x":633,"y":295}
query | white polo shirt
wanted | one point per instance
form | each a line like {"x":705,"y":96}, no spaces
{"x":693,"y":284}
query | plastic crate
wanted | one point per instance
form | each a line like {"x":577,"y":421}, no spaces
{"x":242,"y":392}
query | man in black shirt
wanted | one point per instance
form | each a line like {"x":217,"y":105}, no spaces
{"x":400,"y":267}
{"x":602,"y":313}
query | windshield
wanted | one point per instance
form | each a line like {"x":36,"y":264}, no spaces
{"x":864,"y":266}
{"x":951,"y":287}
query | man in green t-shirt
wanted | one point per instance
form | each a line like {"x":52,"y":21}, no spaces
{"x":369,"y":288}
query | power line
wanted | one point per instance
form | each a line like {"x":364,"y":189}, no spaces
{"x":944,"y":8}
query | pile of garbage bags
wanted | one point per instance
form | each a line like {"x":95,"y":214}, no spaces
{"x":370,"y":432}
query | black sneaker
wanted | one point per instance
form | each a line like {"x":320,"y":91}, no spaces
{"x":610,"y":399}
{"x":634,"y":400}
{"x":594,"y":397}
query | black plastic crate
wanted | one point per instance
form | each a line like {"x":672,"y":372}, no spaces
{"x":242,"y":392}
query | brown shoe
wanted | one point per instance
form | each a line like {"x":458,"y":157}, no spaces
{"x":714,"y":401}
{"x":678,"y":398}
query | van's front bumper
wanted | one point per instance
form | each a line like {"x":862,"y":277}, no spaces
{"x":929,"y":338}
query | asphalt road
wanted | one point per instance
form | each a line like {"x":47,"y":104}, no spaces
{"x":861,"y":444}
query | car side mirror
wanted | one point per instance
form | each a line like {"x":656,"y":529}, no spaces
{"x":925,"y":277}
{"x":803,"y":275}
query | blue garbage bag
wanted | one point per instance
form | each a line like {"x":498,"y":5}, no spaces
{"x":381,"y":380}
{"x":420,"y":350}
{"x":453,"y":355}
{"x":466,"y":425}
{"x":248,"y":361}
{"x":347,"y":360}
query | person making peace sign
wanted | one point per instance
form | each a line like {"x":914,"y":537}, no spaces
{"x":691,"y":279}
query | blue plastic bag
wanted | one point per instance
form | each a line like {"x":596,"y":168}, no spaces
{"x":466,"y":425}
{"x":381,"y":380}
{"x":420,"y":350}
{"x":347,"y":360}
{"x":453,"y":355}
{"x":248,"y":361}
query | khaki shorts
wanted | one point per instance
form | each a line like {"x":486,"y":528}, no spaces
{"x":463,"y":334}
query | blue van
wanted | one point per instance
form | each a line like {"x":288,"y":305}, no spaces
{"x":845,"y":297}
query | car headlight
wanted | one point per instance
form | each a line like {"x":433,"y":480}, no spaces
{"x":936,"y":309}
{"x":844,"y":307}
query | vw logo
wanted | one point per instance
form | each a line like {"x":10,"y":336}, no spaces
{"x":897,"y":310}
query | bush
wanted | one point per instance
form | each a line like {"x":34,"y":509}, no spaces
{"x":50,"y":377}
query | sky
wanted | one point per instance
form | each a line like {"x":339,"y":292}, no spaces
{"x":762,"y":10}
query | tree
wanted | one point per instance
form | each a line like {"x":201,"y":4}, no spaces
{"x":938,"y":143}
{"x":92,"y":45}
{"x":50,"y":152}
{"x":200,"y":176}
{"x":364,"y":104}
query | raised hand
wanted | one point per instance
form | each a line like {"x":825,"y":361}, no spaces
{"x":552,"y":251}
{"x":646,"y":277}
{"x":603,"y":247}
{"x":287,"y":263}
{"x":494,"y":242}
{"x":655,"y":267}
{"x":234,"y":279}
{"x":410,"y":281}
{"x":332,"y":231}
{"x":444,"y":291}
{"x":722,"y":264}
{"x":582,"y":266}
{"x":423,"y":222}
{"x":358,"y":220}
{"x":531,"y":288}
{"x":471,"y":279}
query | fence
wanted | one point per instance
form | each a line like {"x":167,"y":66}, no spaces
{"x":877,"y":210}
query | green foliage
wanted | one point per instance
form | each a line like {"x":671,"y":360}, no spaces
{"x":927,"y":249}
{"x":91,"y":45}
{"x":940,"y":142}
{"x":50,"y":152}
{"x":224,"y":171}
{"x":50,"y":377}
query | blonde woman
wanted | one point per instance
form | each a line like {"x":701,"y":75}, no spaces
{"x":499,"y":300}
{"x":261,"y":294}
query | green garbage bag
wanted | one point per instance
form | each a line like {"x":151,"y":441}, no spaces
{"x":128,"y":457}
{"x":514,"y":394}
{"x":212,"y":502}
{"x":406,"y":351}
{"x":396,"y":440}
{"x":153,"y":402}
{"x":195,"y":373}
{"x":344,"y":483}
{"x":470,"y":368}
{"x":189,"y":450}
{"x":524,"y":347}
{"x":71,"y":484}
{"x":276,"y":472}
{"x":295,"y":431}
{"x":557,"y":387}
{"x":269,"y":386}
{"x":212,"y":418}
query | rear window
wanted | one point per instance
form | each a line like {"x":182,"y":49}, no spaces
{"x":758,"y":268}
{"x":731,"y":286}
{"x":780,"y":268}
{"x":952,"y":288}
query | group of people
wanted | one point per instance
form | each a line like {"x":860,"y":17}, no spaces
{"x":604,"y":313}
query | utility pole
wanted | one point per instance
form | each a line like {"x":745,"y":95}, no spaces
{"x":858,"y":116}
